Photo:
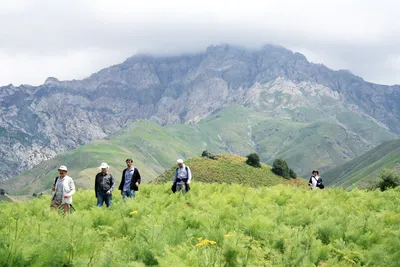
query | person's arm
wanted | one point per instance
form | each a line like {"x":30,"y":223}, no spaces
{"x":175,"y":176}
{"x":72,"y":186}
{"x":139,"y":178}
{"x":53,"y":188}
{"x":121,"y":185}
{"x":189,"y":175}
{"x":112,"y":180}
{"x":95,"y":185}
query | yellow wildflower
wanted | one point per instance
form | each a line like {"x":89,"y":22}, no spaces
{"x":134,"y":212}
{"x":205,"y":242}
{"x":228,"y":235}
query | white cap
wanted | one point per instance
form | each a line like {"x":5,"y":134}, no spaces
{"x":180,"y":161}
{"x":103,"y":165}
{"x":63,"y":168}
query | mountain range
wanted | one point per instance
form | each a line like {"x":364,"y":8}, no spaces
{"x":304,"y":112}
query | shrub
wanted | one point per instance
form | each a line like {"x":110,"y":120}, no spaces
{"x":292,"y":174}
{"x":2,"y":192}
{"x":209,"y":155}
{"x":387,"y":179}
{"x":253,"y":159}
{"x":280,"y":167}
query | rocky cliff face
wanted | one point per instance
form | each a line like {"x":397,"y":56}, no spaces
{"x":36,"y":123}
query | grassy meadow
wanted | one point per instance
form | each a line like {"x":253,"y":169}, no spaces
{"x":213,"y":225}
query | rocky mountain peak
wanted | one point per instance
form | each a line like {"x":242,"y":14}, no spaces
{"x":51,"y":80}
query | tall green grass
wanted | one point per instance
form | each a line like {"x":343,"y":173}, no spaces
{"x":213,"y":225}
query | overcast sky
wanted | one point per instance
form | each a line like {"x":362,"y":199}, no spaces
{"x":72,"y":39}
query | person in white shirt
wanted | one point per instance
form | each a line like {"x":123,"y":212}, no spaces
{"x":182,"y":178}
{"x":63,"y":188}
{"x":314,"y":180}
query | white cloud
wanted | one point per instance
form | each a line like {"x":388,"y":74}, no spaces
{"x":72,"y":39}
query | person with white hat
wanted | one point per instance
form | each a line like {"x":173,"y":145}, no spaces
{"x":182,"y":178}
{"x":104,"y":185}
{"x":63,"y":188}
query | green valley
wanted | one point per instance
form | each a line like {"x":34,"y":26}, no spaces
{"x":361,"y":170}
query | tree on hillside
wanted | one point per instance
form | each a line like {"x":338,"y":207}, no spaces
{"x":253,"y":159}
{"x":387,"y":179}
{"x":292,"y":174}
{"x":281,"y":168}
{"x":209,"y":155}
{"x":2,"y":192}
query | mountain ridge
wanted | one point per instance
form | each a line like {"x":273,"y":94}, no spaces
{"x":39,"y":122}
{"x":365,"y":168}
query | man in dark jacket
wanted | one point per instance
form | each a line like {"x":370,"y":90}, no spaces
{"x":104,"y":185}
{"x":130,"y":181}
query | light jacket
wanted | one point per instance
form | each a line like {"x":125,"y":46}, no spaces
{"x":314,"y":181}
{"x":68,"y":189}
{"x":182,"y":173}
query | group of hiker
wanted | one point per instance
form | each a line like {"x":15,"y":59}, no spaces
{"x":104,"y":185}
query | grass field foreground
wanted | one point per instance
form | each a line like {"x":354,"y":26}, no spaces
{"x":213,"y":225}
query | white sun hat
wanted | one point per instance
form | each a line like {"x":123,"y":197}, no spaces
{"x":180,"y":161}
{"x":103,"y":165}
{"x":63,"y":168}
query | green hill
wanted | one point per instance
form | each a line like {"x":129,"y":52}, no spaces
{"x":230,"y":169}
{"x":213,"y":225}
{"x":238,"y":130}
{"x":359,"y":171}
{"x":6,"y":198}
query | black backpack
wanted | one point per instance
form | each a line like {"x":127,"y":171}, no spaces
{"x":320,"y":185}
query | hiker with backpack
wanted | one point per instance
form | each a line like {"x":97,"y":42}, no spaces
{"x":104,"y":185}
{"x":182,"y":178}
{"x":130,"y":181}
{"x":315,"y":181}
{"x":63,"y":188}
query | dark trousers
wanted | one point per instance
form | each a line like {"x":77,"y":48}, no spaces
{"x":56,"y":204}
{"x":103,"y":197}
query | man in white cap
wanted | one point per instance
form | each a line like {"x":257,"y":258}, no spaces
{"x":104,"y":185}
{"x":182,"y":178}
{"x":63,"y":188}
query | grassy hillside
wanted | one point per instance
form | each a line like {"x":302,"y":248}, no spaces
{"x":230,"y":169}
{"x":213,"y":225}
{"x":366,"y":167}
{"x":321,"y":144}
{"x":6,"y":198}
